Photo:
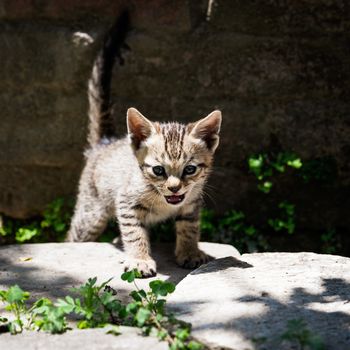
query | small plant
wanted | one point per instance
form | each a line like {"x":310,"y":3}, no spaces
{"x":49,"y":317}
{"x":232,"y":228}
{"x":24,"y":234}
{"x":56,"y":216}
{"x":330,"y":242}
{"x":321,"y":170}
{"x":147,"y":311}
{"x":98,"y":306}
{"x":263,"y":166}
{"x":297,"y":332}
{"x":52,"y":225}
{"x":286,"y":221}
{"x":15,"y":298}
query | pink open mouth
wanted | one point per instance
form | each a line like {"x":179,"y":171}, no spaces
{"x":175,"y":199}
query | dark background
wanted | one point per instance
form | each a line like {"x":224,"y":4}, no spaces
{"x":278,"y":70}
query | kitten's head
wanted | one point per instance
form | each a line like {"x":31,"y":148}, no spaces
{"x":175,"y":159}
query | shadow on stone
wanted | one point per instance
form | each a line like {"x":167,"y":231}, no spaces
{"x":250,"y":308}
{"x":329,"y":324}
{"x":53,"y":269}
{"x":225,"y":263}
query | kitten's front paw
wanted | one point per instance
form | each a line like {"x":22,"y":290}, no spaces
{"x":147,"y":267}
{"x":192,"y":259}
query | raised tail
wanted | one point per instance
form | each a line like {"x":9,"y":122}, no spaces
{"x":102,"y":127}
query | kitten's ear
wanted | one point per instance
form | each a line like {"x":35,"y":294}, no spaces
{"x":139,"y":127}
{"x":207,"y":129}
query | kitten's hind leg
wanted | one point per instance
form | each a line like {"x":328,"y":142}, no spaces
{"x":89,"y":221}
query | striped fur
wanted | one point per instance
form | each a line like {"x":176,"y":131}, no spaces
{"x":101,"y":127}
{"x":119,"y":182}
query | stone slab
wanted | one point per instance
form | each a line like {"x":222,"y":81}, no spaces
{"x":94,"y":339}
{"x":52,"y":269}
{"x":245,"y":303}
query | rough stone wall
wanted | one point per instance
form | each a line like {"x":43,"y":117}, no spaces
{"x":279,"y":71}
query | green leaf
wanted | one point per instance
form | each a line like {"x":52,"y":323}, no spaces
{"x":250,"y":230}
{"x":161,"y":288}
{"x":60,"y":226}
{"x":83,"y":324}
{"x":107,"y":298}
{"x":159,"y":305}
{"x":279,"y":167}
{"x":41,"y":306}
{"x":25,"y":234}
{"x":130,"y":275}
{"x":170,"y":287}
{"x":136,"y":295}
{"x":15,"y":326}
{"x":91,"y":282}
{"x":3,"y":295}
{"x":255,"y":163}
{"x":67,"y":306}
{"x":295,"y":163}
{"x":182,"y":334}
{"x":142,"y":316}
{"x":16,"y":294}
{"x":265,"y":186}
{"x":113,"y":329}
{"x":193,"y":345}
{"x":142,"y":293}
{"x":132,"y":307}
{"x":123,"y":312}
{"x":162,"y":334}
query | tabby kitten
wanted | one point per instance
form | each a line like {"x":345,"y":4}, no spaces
{"x":156,"y":172}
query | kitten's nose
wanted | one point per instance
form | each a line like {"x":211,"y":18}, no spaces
{"x":174,"y":189}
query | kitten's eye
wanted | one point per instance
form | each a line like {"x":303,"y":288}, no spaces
{"x":158,"y":170}
{"x":190,"y":169}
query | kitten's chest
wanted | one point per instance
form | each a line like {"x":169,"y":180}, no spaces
{"x":158,"y":214}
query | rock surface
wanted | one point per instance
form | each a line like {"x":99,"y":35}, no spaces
{"x":52,"y":269}
{"x":94,"y":339}
{"x":234,"y":302}
{"x":245,"y":303}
